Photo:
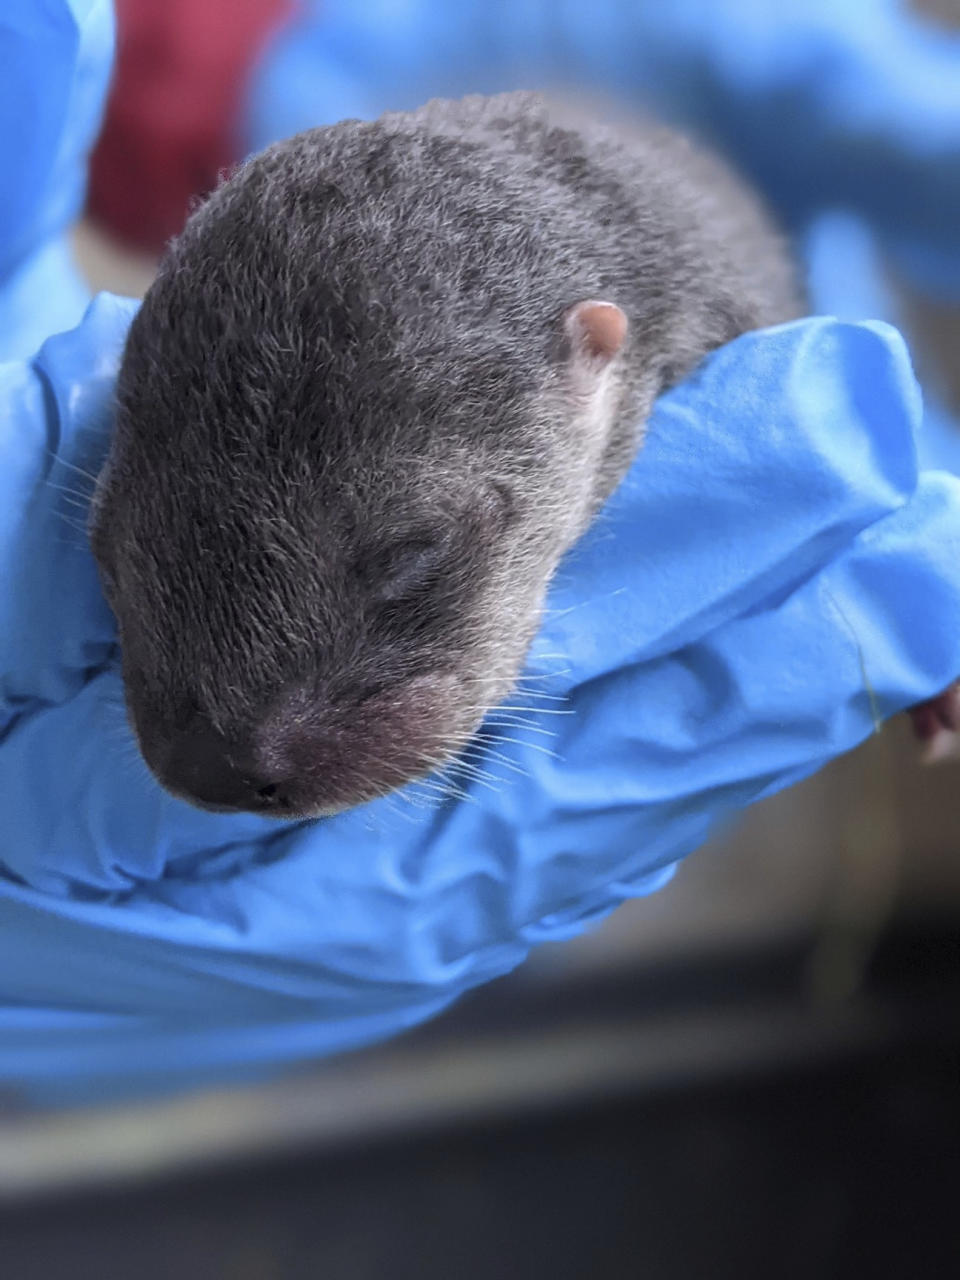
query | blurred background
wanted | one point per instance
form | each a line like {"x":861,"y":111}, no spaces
{"x":755,"y":1071}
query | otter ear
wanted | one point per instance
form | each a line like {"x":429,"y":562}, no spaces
{"x":595,"y":333}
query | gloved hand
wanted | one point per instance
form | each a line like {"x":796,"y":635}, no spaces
{"x":772,"y":580}
{"x":54,"y":67}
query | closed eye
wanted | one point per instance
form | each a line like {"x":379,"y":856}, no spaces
{"x":402,"y":569}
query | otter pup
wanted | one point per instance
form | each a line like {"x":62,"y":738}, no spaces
{"x":384,"y":379}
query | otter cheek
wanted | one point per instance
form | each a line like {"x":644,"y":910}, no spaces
{"x":410,"y":728}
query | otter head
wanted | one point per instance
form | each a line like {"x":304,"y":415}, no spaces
{"x":335,"y":495}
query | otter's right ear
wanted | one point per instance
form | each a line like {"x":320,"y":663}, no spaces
{"x":595,"y":333}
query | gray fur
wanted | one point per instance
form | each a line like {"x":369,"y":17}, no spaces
{"x":355,"y":347}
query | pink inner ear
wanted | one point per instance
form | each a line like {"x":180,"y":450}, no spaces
{"x":598,"y":329}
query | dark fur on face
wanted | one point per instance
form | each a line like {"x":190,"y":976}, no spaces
{"x":354,"y":434}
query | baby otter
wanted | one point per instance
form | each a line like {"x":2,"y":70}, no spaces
{"x":384,"y":379}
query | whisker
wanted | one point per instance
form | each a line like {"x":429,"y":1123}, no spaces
{"x":77,"y":503}
{"x":89,"y":475}
{"x":459,"y":765}
{"x":395,"y":801}
{"x":432,"y":783}
{"x":478,"y":781}
{"x":516,"y":722}
{"x":540,"y":711}
{"x":423,"y":803}
{"x":76,"y":527}
{"x":73,"y":546}
{"x":65,"y":488}
{"x":487,"y":750}
{"x":530,"y":746}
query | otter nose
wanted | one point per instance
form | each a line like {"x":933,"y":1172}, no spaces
{"x":212,"y":770}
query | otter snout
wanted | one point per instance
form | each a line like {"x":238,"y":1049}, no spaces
{"x":308,"y":755}
{"x":209,"y":768}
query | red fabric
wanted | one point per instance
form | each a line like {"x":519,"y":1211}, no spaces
{"x":170,"y":127}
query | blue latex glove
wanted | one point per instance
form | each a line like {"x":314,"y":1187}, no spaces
{"x":55,"y":58}
{"x":846,"y":279}
{"x":771,"y":581}
{"x":142,"y":942}
{"x":852,"y":103}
